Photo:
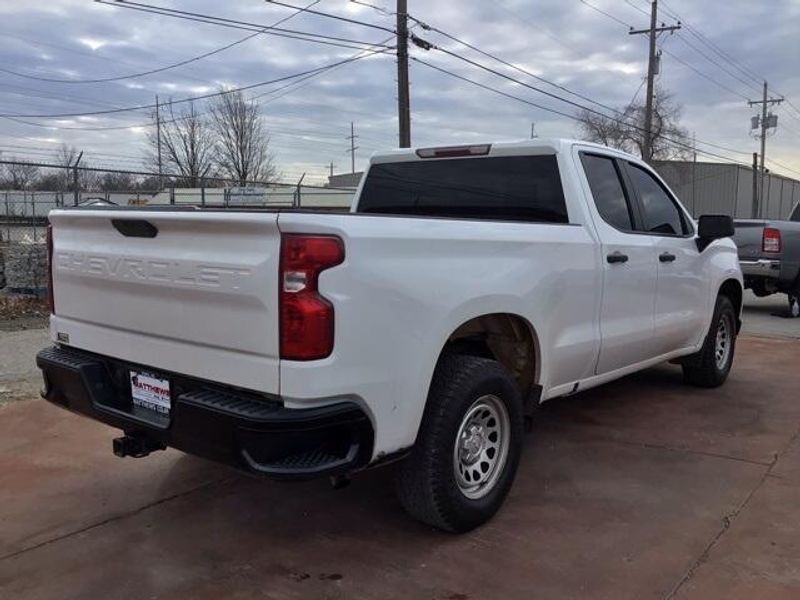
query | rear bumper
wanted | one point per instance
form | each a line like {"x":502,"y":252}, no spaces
{"x":250,"y":432}
{"x":761,"y":268}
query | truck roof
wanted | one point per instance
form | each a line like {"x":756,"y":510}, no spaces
{"x":503,"y":148}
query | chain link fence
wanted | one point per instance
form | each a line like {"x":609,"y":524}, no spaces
{"x":26,"y":202}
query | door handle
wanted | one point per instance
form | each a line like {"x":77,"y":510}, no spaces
{"x":617,"y":257}
{"x":666,"y":257}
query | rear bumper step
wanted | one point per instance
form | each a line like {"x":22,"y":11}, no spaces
{"x":255,"y":434}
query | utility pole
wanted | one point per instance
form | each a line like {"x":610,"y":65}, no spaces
{"x":76,"y":191}
{"x":533,"y":131}
{"x":158,"y":143}
{"x":694,"y":169}
{"x":403,"y":95}
{"x":766,"y":122}
{"x":352,"y":137}
{"x":754,"y":209}
{"x":652,"y":66}
{"x":331,"y":168}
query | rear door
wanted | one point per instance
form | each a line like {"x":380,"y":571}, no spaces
{"x":682,"y":289}
{"x":190,"y":292}
{"x":629,"y":268}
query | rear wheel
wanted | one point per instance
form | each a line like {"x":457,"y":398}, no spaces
{"x":468,"y":447}
{"x":711,"y":365}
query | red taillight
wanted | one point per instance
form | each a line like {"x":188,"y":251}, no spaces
{"x":51,"y":299}
{"x":771,"y":240}
{"x":306,"y":321}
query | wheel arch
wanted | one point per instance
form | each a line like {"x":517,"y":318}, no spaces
{"x":506,"y":337}
{"x":732,"y":289}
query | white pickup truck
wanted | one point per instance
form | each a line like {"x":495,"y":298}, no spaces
{"x":465,"y":286}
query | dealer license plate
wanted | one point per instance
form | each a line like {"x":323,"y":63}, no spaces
{"x":150,"y":392}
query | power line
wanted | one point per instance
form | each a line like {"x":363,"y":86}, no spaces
{"x":427,"y":45}
{"x":16,"y":147}
{"x":189,"y":98}
{"x":556,"y":39}
{"x":316,"y":38}
{"x":704,"y":75}
{"x":491,"y":89}
{"x":142,"y":125}
{"x":332,"y":16}
{"x":717,"y":49}
{"x":159,"y":69}
{"x":682,"y":38}
{"x":374,"y":7}
{"x":358,"y":56}
{"x":676,"y":143}
{"x":609,"y":15}
{"x":513,"y":66}
{"x":710,"y":59}
{"x":639,"y":8}
{"x":783,"y":166}
{"x":522,"y":83}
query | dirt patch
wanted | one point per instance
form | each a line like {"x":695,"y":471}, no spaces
{"x":20,"y":313}
{"x":18,"y":390}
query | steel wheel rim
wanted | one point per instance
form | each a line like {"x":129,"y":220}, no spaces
{"x":724,"y":339}
{"x":481,"y":447}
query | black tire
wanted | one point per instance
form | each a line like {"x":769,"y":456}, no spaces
{"x":794,"y":304}
{"x":428,"y":480}
{"x":706,"y":368}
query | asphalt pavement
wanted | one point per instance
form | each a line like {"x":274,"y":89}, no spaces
{"x":643,"y":488}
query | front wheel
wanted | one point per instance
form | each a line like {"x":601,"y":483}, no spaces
{"x":794,"y":304}
{"x":468,"y":447}
{"x":711,"y":365}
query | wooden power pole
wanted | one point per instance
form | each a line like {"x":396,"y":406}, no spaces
{"x":766,"y":121}
{"x":652,"y":64}
{"x":403,"y":95}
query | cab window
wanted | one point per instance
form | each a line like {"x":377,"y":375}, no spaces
{"x":660,"y":214}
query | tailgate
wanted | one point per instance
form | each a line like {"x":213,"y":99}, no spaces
{"x":199,"y":298}
{"x":748,"y":238}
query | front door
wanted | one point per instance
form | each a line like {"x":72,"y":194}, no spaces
{"x":629,"y":268}
{"x":682,"y":291}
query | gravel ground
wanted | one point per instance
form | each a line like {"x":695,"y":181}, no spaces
{"x":19,"y":377}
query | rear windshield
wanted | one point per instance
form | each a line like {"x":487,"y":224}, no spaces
{"x":795,"y":214}
{"x":508,"y":188}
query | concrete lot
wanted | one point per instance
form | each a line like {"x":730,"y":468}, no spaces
{"x":644,"y":488}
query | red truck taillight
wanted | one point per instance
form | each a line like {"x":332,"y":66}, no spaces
{"x":51,"y":299}
{"x":771,"y":240}
{"x":306,"y":317}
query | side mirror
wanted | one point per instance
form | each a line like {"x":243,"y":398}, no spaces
{"x":713,"y":227}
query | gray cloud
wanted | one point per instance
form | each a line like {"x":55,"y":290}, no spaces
{"x":562,"y":40}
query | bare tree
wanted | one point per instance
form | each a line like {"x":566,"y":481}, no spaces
{"x":187,"y":145}
{"x":19,"y":176}
{"x":625,"y":130}
{"x":116,"y":182}
{"x":66,"y":157}
{"x":242,"y":142}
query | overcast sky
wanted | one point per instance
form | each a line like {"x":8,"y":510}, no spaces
{"x":564,"y":41}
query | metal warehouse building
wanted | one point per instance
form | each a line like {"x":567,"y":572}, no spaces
{"x":726,"y":188}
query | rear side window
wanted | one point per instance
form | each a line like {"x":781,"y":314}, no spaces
{"x":607,"y":191}
{"x":507,"y":188}
{"x":659,"y":213}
